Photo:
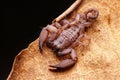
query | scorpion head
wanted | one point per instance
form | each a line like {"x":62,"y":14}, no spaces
{"x":53,"y":46}
{"x":57,"y":45}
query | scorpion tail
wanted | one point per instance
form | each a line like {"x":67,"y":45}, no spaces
{"x":92,"y":14}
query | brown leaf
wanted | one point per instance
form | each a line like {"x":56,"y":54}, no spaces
{"x":100,"y":62}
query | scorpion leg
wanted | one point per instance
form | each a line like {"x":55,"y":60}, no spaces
{"x":44,"y":35}
{"x":65,"y":24}
{"x":64,"y":64}
{"x":88,"y":38}
{"x":76,"y":20}
{"x":64,"y":21}
{"x":79,"y":42}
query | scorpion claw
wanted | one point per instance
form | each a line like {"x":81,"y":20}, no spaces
{"x":40,"y":47}
{"x":64,"y":64}
{"x":43,"y":37}
{"x":53,"y":68}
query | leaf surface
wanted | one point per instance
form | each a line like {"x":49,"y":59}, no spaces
{"x":100,"y":62}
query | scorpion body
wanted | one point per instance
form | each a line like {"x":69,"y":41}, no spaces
{"x":63,"y":41}
{"x":62,"y":37}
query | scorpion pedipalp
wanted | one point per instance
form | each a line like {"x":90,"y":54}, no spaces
{"x":43,"y":37}
{"x":62,"y":65}
{"x":67,"y":62}
{"x":45,"y":33}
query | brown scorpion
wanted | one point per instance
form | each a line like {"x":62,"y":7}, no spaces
{"x":63,"y":36}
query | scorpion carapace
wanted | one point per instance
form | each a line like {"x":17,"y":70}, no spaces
{"x":63,"y":36}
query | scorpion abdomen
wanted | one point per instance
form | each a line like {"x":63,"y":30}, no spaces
{"x":66,"y":38}
{"x":71,"y":34}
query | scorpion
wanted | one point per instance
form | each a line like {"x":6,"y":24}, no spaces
{"x":62,"y":37}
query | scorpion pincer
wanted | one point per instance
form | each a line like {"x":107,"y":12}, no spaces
{"x":63,"y":36}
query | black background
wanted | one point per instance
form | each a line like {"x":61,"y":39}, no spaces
{"x":22,"y":25}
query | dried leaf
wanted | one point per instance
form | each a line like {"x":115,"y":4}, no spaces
{"x":100,"y":62}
